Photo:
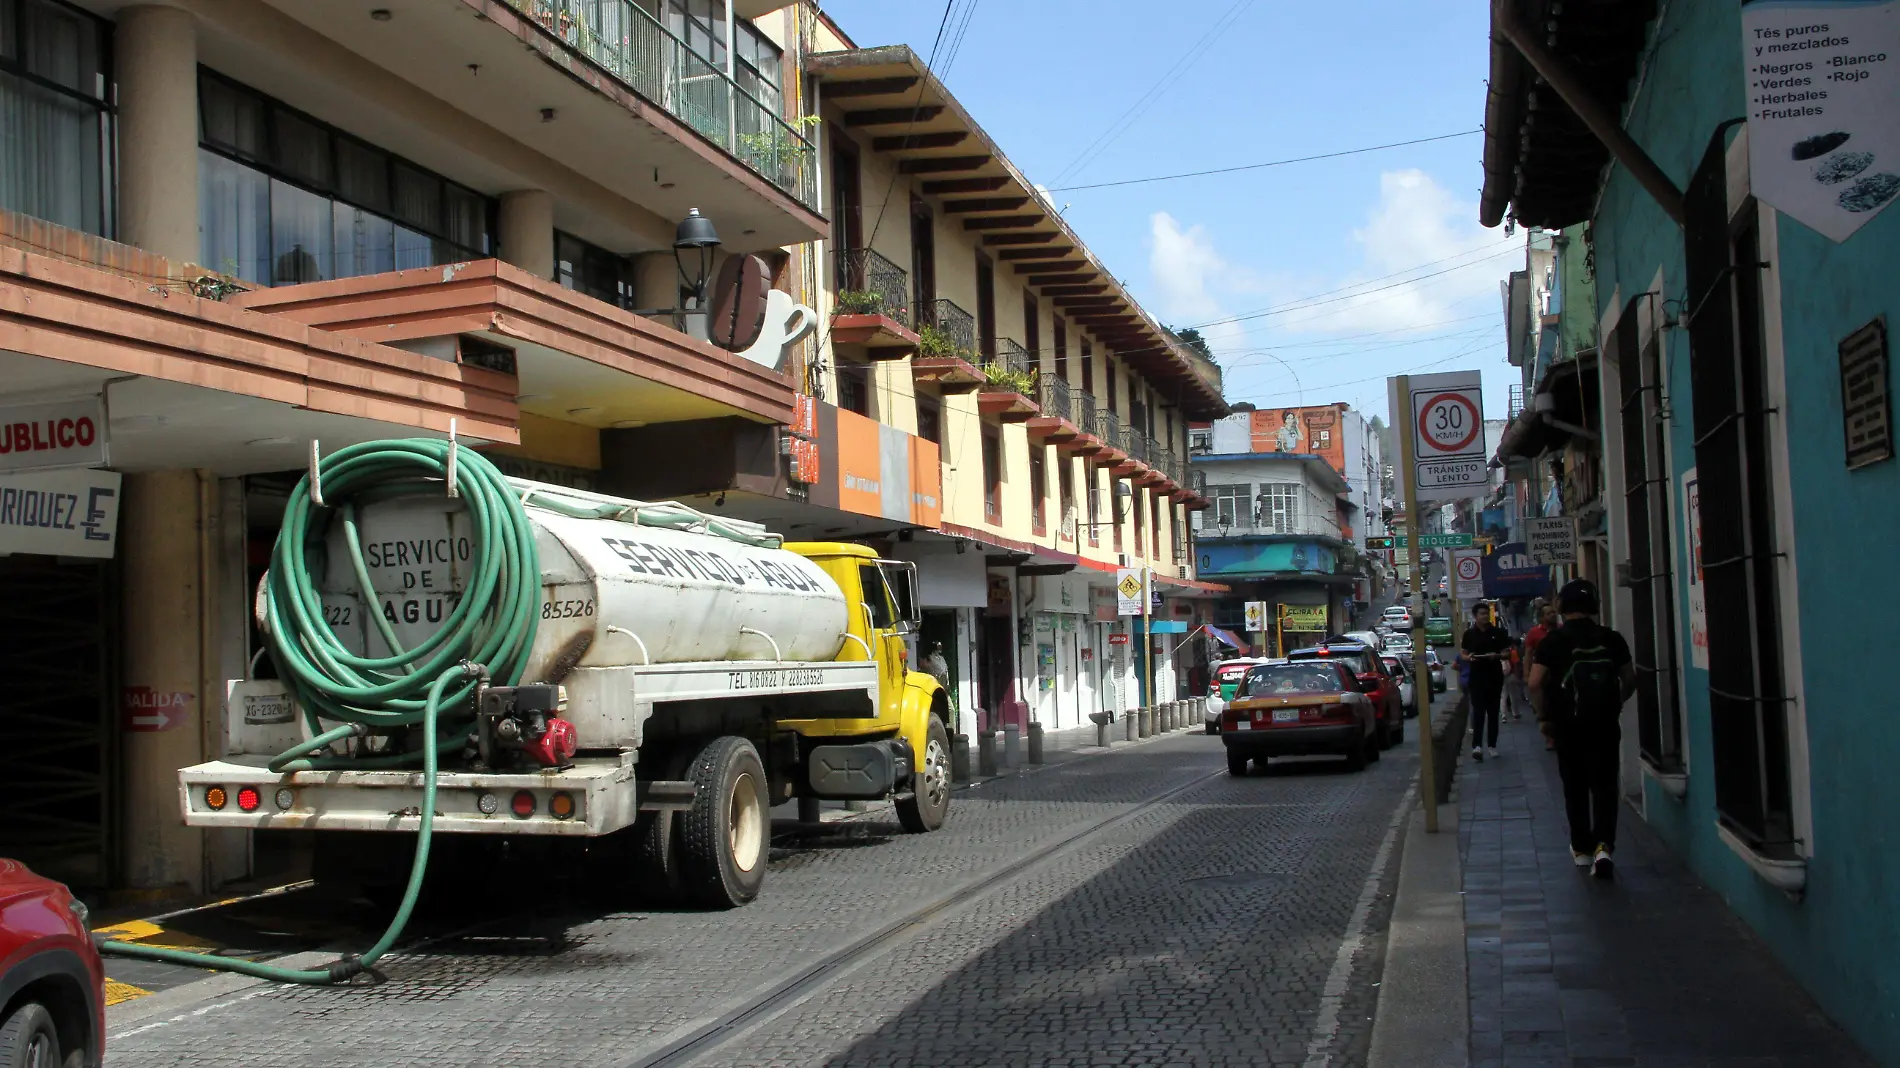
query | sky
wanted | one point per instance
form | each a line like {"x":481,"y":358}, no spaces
{"x":1312,"y":281}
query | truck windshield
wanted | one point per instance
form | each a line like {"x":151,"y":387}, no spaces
{"x":872,"y":579}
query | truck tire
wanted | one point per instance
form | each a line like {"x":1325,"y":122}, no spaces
{"x":725,"y":837}
{"x":929,"y":800}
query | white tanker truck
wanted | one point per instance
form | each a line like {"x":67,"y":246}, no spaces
{"x":685,"y":673}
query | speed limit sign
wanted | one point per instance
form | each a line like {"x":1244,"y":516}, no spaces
{"x":1448,"y":445}
{"x":1470,"y":567}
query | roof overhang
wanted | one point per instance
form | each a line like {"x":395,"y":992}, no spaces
{"x":890,"y":97}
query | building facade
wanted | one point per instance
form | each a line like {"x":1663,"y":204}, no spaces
{"x":235,"y":234}
{"x":1746,"y":459}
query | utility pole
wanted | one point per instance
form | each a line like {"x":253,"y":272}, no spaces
{"x":1415,"y":532}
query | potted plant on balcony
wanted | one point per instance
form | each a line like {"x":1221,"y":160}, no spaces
{"x":858,"y":302}
{"x":934,"y":342}
{"x":999,"y":378}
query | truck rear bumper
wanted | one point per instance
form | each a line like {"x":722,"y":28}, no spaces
{"x":600,"y":790}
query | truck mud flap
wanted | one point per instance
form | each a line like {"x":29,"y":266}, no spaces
{"x":667,"y":795}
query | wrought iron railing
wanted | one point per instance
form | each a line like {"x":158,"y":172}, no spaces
{"x":1082,"y":404}
{"x":1516,"y":403}
{"x":869,"y":284}
{"x":1054,"y":398}
{"x":1162,"y":460}
{"x":623,"y":39}
{"x":947,"y":330}
{"x":1112,"y":432}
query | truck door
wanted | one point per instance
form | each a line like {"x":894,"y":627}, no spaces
{"x":885,"y":639}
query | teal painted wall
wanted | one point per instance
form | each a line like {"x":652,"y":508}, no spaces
{"x":1842,"y":941}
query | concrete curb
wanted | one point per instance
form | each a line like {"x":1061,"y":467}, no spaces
{"x":1423,"y":1018}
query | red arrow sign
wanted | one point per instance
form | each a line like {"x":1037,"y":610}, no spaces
{"x":143,"y":709}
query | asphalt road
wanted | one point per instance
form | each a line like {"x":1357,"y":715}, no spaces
{"x":1133,"y":907}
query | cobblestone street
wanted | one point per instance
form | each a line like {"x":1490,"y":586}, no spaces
{"x":1138,"y":907}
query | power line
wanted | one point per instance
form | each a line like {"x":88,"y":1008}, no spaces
{"x":1261,"y":166}
{"x":1292,"y":304}
{"x":1350,"y":296}
{"x":1154,"y":93}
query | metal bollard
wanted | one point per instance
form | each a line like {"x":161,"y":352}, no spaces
{"x":1012,"y":745}
{"x":1146,"y":725}
{"x":1131,"y":724}
{"x":1101,"y":728}
{"x":986,"y":754}
{"x":1035,"y":743}
{"x":1174,"y":715}
{"x":960,"y":758}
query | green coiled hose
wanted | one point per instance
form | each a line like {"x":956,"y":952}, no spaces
{"x":488,"y":634}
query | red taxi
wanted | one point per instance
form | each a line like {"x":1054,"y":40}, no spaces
{"x":1299,"y":708}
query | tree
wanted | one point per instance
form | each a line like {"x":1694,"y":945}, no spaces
{"x":1192,"y":339}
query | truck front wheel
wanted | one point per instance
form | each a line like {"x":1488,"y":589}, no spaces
{"x":929,"y":800}
{"x":724,"y":837}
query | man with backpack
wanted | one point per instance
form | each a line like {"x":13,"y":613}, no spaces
{"x":1580,"y":677}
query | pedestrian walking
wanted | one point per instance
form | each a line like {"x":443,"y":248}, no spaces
{"x":1581,"y":678}
{"x":1516,"y":696}
{"x":1547,"y":620}
{"x":1484,"y":647}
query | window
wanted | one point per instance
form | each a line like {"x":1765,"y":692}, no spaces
{"x":1038,"y":489}
{"x":702,"y":25}
{"x":759,"y":70}
{"x":1154,"y":526}
{"x":1065,"y":488}
{"x":1647,"y":511}
{"x":1180,"y":537}
{"x":1141,"y":541}
{"x":1088,"y":367}
{"x":55,"y":125}
{"x":1279,"y":508}
{"x":930,"y":419}
{"x":985,"y":306}
{"x":854,"y":388}
{"x":1032,"y":329}
{"x":285,"y":199}
{"x":587,"y":268}
{"x":992,"y":475}
{"x":1092,"y":491}
{"x":1233,"y":505}
{"x":1201,"y":440}
{"x":1061,"y":330}
{"x":923,"y":259}
{"x":1108,"y":384}
{"x":1748,"y":705}
{"x":847,"y":214}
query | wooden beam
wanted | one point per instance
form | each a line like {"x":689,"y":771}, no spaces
{"x":838,"y":90}
{"x":1019,"y":239}
{"x":892,"y":116}
{"x":1072,"y":291}
{"x":986,"y":184}
{"x":1002,"y":222}
{"x":909,"y":142}
{"x":941,"y":164}
{"x":1054,"y":279}
{"x":1077,"y":302}
{"x":965,"y":207}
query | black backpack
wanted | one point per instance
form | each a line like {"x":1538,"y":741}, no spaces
{"x":1593,"y":683}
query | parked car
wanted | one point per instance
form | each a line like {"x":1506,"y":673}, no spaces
{"x":1379,"y":687}
{"x":1438,"y":630}
{"x":1437,"y":668}
{"x":1408,"y":684}
{"x":1227,"y":678}
{"x":52,"y":984}
{"x":1299,"y":708}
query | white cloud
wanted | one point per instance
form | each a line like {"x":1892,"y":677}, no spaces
{"x":1183,"y":264}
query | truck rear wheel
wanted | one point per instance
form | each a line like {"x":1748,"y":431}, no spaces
{"x":725,"y":836}
{"x":929,"y":800}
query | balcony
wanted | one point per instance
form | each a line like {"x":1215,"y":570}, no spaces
{"x":622,"y":38}
{"x":946,"y":349}
{"x":1009,"y":390}
{"x":1113,"y":437}
{"x":1056,"y":425}
{"x":1266,"y":527}
{"x":872,"y":305}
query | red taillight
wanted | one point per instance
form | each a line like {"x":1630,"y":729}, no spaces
{"x":248,"y":799}
{"x":522,"y":805}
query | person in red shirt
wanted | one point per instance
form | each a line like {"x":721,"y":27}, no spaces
{"x":1547,"y":621}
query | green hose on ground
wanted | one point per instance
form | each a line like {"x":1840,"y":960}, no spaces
{"x":488,"y":634}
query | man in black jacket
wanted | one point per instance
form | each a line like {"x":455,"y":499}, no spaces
{"x":1485,"y":646}
{"x":1580,"y":677}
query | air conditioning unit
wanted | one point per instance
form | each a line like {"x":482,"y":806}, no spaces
{"x":1124,"y":560}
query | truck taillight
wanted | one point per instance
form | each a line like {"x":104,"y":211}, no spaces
{"x":248,"y":800}
{"x":561,"y":805}
{"x":522,"y":805}
{"x":215,"y":798}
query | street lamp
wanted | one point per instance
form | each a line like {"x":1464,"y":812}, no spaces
{"x":695,"y":233}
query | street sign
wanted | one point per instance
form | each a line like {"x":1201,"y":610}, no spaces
{"x":54,"y":434}
{"x":1434,"y":541}
{"x":1128,"y":588}
{"x":1553,"y":540}
{"x":1469,"y":564}
{"x":1118,"y":639}
{"x":143,"y":709}
{"x":60,"y":513}
{"x":1448,"y":446}
{"x":1256,"y":615}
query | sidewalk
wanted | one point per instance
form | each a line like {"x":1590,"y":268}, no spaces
{"x":1648,"y":971}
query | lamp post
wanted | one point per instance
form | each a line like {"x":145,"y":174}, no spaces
{"x":695,"y":234}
